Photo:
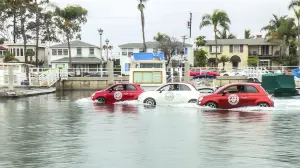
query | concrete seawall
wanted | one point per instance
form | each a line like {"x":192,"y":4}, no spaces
{"x":94,"y":83}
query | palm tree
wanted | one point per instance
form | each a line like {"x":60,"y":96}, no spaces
{"x":293,"y":5}
{"x":223,"y":35}
{"x":8,"y":57}
{"x":224,"y":59}
{"x":217,"y":19}
{"x":247,"y":34}
{"x":141,"y":7}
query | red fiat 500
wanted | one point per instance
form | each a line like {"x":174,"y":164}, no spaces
{"x":118,"y":92}
{"x":237,"y":95}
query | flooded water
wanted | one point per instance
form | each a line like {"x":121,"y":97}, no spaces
{"x":67,"y":130}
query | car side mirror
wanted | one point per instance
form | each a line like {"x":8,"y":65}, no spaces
{"x":110,"y":90}
{"x":161,"y":91}
{"x":224,"y":93}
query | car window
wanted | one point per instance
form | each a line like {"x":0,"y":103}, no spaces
{"x":169,"y":87}
{"x":251,"y":89}
{"x":183,"y":87}
{"x":206,"y":90}
{"x":118,"y":88}
{"x":130,"y":87}
{"x":235,"y":89}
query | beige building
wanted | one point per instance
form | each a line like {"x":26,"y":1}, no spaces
{"x":239,"y":50}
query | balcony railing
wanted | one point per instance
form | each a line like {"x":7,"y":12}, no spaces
{"x":255,"y":54}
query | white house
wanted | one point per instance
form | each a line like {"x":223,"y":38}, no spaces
{"x":17,"y":49}
{"x":128,"y":49}
{"x":83,"y":55}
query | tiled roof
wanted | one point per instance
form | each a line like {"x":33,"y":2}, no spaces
{"x":257,"y":41}
{"x":76,"y":43}
{"x":84,"y":60}
{"x":150,"y":44}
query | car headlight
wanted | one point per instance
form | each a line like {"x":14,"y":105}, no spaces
{"x":200,"y":99}
{"x":93,"y":94}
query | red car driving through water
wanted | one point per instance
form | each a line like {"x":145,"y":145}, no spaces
{"x":237,"y":95}
{"x":118,"y":92}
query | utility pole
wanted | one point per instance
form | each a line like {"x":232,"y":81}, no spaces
{"x":190,"y":24}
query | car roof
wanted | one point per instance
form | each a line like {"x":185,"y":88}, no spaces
{"x":244,"y":83}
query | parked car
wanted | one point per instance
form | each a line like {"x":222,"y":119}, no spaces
{"x":237,"y":95}
{"x":170,"y":93}
{"x":237,"y":72}
{"x":118,"y":92}
{"x":199,"y":71}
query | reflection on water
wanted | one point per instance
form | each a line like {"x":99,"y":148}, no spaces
{"x":68,"y":130}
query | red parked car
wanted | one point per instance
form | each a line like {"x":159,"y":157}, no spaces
{"x":118,"y":92}
{"x":237,"y":95}
{"x":199,"y":71}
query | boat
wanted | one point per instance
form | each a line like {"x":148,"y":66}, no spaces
{"x":279,"y":85}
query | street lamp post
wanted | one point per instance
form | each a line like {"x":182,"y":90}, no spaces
{"x":100,"y":33}
{"x":106,"y":41}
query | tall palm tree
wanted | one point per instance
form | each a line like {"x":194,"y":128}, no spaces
{"x":223,"y":35}
{"x":293,"y":5}
{"x":141,"y":7}
{"x":247,"y":34}
{"x":218,"y":19}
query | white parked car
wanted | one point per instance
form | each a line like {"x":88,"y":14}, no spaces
{"x":237,"y":72}
{"x":171,"y":93}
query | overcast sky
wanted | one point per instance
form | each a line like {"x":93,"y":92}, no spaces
{"x":120,"y":19}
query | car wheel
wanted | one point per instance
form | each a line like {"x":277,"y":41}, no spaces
{"x":263,"y":104}
{"x":101,"y":100}
{"x":225,"y":75}
{"x":211,"y":105}
{"x":149,"y":102}
{"x":192,"y":101}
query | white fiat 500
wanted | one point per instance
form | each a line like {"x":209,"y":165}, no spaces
{"x":170,"y":93}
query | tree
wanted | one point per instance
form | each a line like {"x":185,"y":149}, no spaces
{"x":69,"y":21}
{"x":141,"y":7}
{"x":8,"y":57}
{"x":223,"y":35}
{"x":218,"y":19}
{"x":253,"y":61}
{"x":295,"y":4}
{"x":247,"y":34}
{"x":169,"y":45}
{"x":200,"y":41}
{"x":200,"y":58}
{"x":224,"y":59}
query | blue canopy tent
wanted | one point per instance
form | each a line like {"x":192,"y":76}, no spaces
{"x":296,"y":72}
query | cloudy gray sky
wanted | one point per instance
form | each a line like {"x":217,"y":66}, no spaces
{"x":120,"y":19}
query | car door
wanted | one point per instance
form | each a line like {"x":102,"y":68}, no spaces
{"x":252,"y":95}
{"x":233,"y":98}
{"x":130,"y":92}
{"x":185,"y":93}
{"x":117,"y":93}
{"x":168,"y":94}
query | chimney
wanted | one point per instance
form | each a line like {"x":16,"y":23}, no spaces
{"x":258,"y":36}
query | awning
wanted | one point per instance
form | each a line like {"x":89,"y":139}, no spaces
{"x":211,"y":60}
{"x":235,"y":58}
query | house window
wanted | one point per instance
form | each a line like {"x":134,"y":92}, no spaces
{"x":65,"y":52}
{"x":124,"y":51}
{"x":59,"y":51}
{"x":21,"y":52}
{"x":236,"y":49}
{"x":54,"y":51}
{"x":79,"y":51}
{"x":264,"y":63}
{"x":266,"y":50}
{"x":14,"y":51}
{"x":130,"y":51}
{"x":213,"y":49}
{"x":127,"y":67}
{"x":18,"y":52}
{"x":91,"y":51}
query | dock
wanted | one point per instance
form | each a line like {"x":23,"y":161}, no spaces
{"x":24,"y":92}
